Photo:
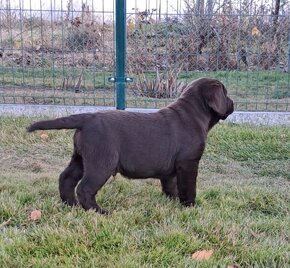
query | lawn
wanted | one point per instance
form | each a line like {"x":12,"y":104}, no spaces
{"x":242,"y":212}
{"x":251,"y":90}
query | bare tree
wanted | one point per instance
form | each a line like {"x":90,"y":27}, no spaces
{"x":275,"y":17}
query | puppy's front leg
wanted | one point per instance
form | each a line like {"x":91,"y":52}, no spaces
{"x":186,"y":181}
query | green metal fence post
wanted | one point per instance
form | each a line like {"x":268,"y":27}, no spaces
{"x":120,"y":40}
{"x":120,"y":52}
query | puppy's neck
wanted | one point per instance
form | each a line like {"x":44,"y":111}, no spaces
{"x":193,"y":113}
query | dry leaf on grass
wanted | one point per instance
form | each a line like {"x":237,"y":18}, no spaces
{"x":5,"y":223}
{"x":35,"y":215}
{"x":253,"y":234}
{"x":44,"y":136}
{"x":202,"y":255}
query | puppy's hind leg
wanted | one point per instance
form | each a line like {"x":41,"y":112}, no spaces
{"x":96,"y":172}
{"x":87,"y":190}
{"x":69,"y":178}
{"x":169,"y":186}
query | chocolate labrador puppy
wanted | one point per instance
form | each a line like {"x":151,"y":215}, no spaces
{"x":166,"y":144}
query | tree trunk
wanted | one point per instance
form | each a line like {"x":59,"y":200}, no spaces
{"x":276,"y":39}
{"x":275,"y":17}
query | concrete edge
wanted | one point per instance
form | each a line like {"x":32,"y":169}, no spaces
{"x":28,"y":110}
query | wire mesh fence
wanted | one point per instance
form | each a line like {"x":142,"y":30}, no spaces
{"x":62,"y":52}
{"x":56,"y":52}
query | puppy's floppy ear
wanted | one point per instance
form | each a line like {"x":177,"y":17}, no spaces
{"x":215,"y":97}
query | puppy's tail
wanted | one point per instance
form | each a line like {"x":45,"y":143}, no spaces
{"x":70,"y":122}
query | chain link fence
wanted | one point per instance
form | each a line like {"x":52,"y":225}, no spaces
{"x":62,"y":52}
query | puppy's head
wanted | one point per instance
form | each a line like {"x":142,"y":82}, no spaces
{"x":215,"y":97}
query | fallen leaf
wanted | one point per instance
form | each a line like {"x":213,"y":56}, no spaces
{"x":202,"y":255}
{"x":17,"y":44}
{"x":255,"y":31}
{"x":5,"y":223}
{"x":35,"y":215}
{"x":44,"y":136}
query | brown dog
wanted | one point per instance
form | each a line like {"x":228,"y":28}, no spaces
{"x":167,"y":144}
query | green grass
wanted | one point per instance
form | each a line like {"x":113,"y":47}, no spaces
{"x":242,"y":211}
{"x":45,"y":86}
{"x":52,"y":77}
{"x":257,"y":90}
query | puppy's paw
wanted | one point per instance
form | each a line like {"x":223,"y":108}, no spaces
{"x":173,"y":196}
{"x":188,"y":203}
{"x":103,"y":211}
{"x":70,"y":202}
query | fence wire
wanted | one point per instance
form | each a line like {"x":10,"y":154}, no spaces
{"x":62,"y":52}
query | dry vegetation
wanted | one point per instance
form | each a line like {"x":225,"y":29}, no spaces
{"x":73,"y":40}
{"x":198,"y":39}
